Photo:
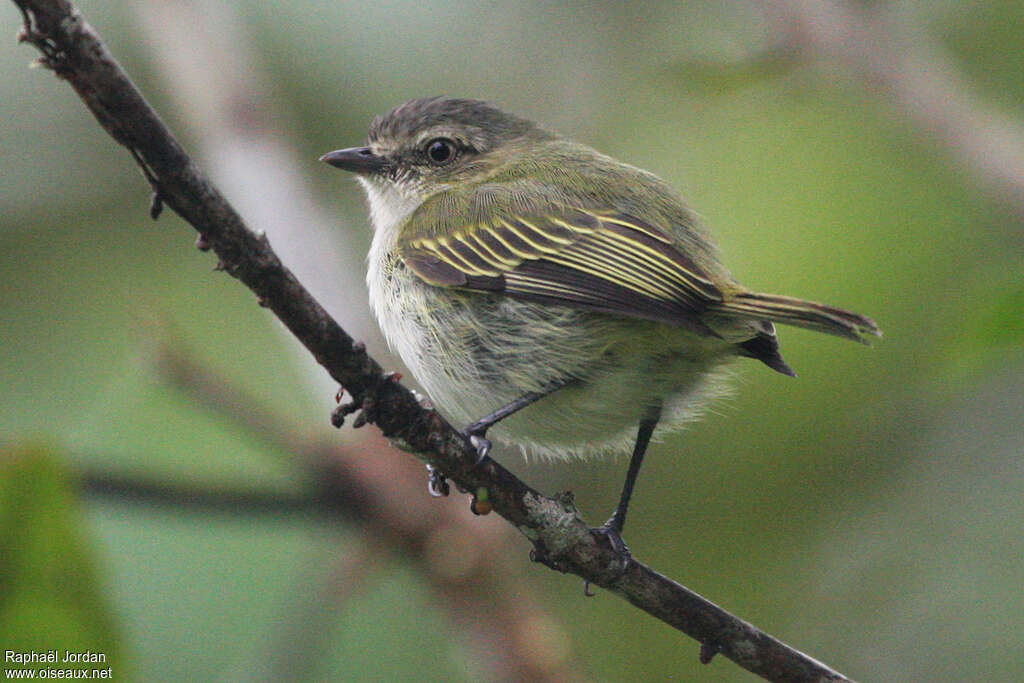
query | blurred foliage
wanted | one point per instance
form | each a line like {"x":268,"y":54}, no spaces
{"x":867,"y":513}
{"x":51,"y":597}
{"x":986,"y":37}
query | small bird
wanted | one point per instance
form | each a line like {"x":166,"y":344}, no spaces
{"x":549,"y":296}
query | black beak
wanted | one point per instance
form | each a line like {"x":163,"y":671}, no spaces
{"x":355,"y":159}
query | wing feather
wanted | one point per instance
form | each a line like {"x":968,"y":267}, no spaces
{"x":610,"y":262}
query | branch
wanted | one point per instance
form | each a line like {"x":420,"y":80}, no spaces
{"x":140,"y":490}
{"x":561,"y":539}
{"x":386,"y":495}
{"x":381,"y":493}
{"x":233,"y":121}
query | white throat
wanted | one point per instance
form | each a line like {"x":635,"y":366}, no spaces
{"x":389,"y":207}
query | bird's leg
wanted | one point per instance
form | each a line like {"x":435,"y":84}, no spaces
{"x":476,"y":431}
{"x":612,"y":529}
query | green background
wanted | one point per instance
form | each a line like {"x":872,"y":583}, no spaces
{"x":868,"y":513}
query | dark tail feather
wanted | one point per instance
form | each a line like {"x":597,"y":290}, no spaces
{"x":808,"y":314}
{"x":765,"y":348}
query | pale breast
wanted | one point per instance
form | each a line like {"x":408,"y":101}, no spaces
{"x":474,"y":353}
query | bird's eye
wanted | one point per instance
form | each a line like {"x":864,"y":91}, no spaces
{"x":440,"y":150}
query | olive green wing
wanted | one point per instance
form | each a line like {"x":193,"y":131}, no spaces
{"x":602,"y":261}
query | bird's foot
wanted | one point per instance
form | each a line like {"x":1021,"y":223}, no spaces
{"x":612,"y":533}
{"x":614,"y":536}
{"x":437,"y":483}
{"x":475,"y":433}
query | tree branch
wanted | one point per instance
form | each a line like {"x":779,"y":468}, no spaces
{"x":140,"y":490}
{"x":561,"y":539}
{"x":382,"y":493}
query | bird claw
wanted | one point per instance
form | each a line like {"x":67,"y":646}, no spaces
{"x":437,"y":483}
{"x":424,"y":402}
{"x":341,"y":411}
{"x":622,"y":555}
{"x":482,"y":446}
{"x":619,"y":547}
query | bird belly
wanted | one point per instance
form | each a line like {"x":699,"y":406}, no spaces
{"x":474,"y":353}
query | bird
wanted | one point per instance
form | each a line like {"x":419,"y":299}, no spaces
{"x":549,"y":296}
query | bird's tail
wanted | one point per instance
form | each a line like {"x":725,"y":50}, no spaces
{"x":808,"y":314}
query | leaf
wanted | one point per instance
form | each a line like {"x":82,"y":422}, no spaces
{"x":50,"y":595}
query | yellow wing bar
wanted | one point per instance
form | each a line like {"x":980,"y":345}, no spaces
{"x":606,"y":261}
